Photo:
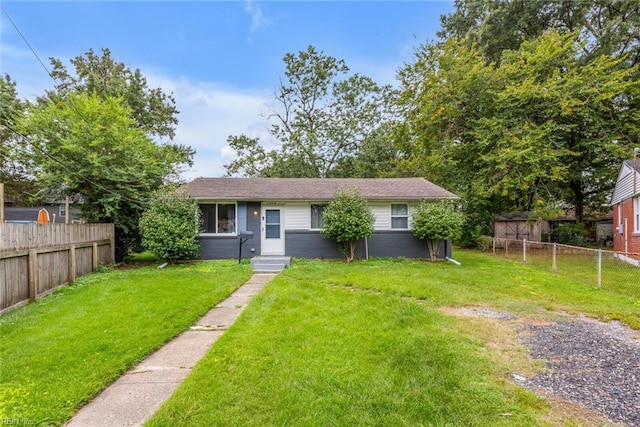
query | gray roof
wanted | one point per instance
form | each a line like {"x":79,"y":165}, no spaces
{"x":259,"y":189}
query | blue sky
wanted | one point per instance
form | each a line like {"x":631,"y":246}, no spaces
{"x":222,"y":59}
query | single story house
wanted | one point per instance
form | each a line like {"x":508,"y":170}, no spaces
{"x":285,"y":215}
{"x":626,"y":209}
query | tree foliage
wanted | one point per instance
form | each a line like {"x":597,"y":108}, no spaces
{"x":170,"y":226}
{"x":610,"y":27}
{"x":14,"y":166}
{"x":539,"y":125}
{"x":153,"y":111}
{"x":89,"y":146}
{"x":436,"y":222}
{"x":322,"y":116}
{"x":347,"y":219}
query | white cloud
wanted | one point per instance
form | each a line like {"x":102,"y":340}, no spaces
{"x":258,"y":20}
{"x":209,"y":113}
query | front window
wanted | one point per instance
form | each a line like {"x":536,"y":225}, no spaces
{"x":636,"y":214}
{"x":399,"y":216}
{"x":219,"y":218}
{"x":316,"y":216}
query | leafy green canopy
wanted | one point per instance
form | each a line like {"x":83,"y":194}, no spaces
{"x":540,"y":125}
{"x":14,"y":165}
{"x":436,"y":222}
{"x":610,"y":26}
{"x":170,"y":225}
{"x":347,"y":219}
{"x":321,"y":116}
{"x":89,"y":146}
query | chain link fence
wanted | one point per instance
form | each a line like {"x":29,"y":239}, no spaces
{"x":595,"y":267}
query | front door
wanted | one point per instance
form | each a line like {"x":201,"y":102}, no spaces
{"x":272,"y":231}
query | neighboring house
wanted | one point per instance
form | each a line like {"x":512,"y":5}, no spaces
{"x":285,"y":215}
{"x":626,"y":209}
{"x":57,"y":214}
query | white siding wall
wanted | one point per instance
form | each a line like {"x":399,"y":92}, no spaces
{"x":297,"y":216}
{"x":624,"y":187}
{"x":382,"y":214}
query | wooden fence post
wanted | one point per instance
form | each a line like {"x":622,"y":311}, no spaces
{"x":33,"y":275}
{"x":72,"y":264}
{"x":94,"y":256}
{"x":112,"y":244}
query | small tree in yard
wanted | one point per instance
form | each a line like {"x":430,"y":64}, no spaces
{"x":436,"y":222}
{"x":170,"y":226}
{"x":347,"y":219}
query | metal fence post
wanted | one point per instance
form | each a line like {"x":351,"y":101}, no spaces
{"x":554,"y":266}
{"x":599,"y":268}
{"x":524,"y":251}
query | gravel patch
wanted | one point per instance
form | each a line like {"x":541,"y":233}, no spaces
{"x":590,"y":362}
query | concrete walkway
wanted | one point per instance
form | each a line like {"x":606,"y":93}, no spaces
{"x":136,"y":396}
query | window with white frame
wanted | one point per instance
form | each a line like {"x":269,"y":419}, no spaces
{"x":399,"y":216}
{"x":317,"y":211}
{"x":219,"y":218}
{"x":636,"y":214}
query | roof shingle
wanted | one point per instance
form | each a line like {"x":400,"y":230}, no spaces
{"x":258,"y":189}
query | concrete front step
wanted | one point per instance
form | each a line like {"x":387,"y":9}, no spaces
{"x":270,"y":264}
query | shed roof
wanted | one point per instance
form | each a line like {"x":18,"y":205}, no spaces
{"x":258,"y":189}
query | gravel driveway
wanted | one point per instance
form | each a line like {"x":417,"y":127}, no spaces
{"x":590,"y":362}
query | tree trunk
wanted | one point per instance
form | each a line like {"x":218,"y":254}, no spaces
{"x":578,"y":200}
{"x":434,"y":248}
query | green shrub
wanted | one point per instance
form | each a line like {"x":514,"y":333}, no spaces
{"x":170,"y":226}
{"x":347,"y":219}
{"x":436,"y":222}
{"x":572,"y":234}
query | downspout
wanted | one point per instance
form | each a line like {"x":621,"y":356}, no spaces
{"x":636,"y":151}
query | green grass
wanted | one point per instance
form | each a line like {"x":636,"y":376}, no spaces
{"x":329,"y":343}
{"x":59,"y":352}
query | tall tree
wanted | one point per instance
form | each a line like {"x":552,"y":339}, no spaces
{"x":19,"y":186}
{"x":611,"y":27}
{"x":322,"y":116}
{"x":153,"y":111}
{"x":89,"y":146}
{"x":538,"y":125}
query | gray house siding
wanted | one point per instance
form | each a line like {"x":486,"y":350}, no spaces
{"x":312,"y":244}
{"x":225,"y":247}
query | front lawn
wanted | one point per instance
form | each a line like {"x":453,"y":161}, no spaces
{"x":59,"y":352}
{"x":369,"y":343}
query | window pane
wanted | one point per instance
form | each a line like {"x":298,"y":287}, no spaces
{"x":273,"y":216}
{"x":226,"y":218}
{"x":399,"y":222}
{"x":208,"y":218}
{"x":316,"y":215}
{"x":272,"y":231}
{"x":399,"y":210}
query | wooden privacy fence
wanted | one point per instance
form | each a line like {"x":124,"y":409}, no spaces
{"x":36,"y":259}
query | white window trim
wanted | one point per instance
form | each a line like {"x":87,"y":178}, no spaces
{"x":311,"y":219}
{"x":392,"y":216}
{"x":206,"y":234}
{"x":636,"y":214}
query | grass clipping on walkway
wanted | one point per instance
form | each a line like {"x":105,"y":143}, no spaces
{"x":58,"y":353}
{"x":328,"y":343}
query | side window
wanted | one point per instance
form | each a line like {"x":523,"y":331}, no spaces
{"x":399,"y":216}
{"x":219,"y":218}
{"x":316,"y":216}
